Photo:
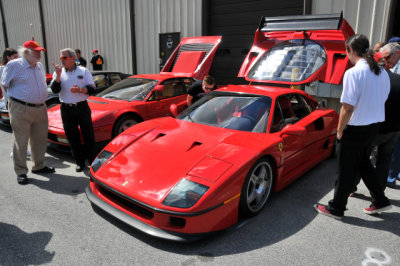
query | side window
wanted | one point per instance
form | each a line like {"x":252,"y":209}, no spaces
{"x":100,"y":80}
{"x":300,"y":108}
{"x":114,"y":78}
{"x":277,"y":122}
{"x":173,"y":87}
{"x":286,"y":104}
{"x":312,"y":104}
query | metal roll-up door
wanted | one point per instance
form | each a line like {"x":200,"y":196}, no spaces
{"x":236,"y":21}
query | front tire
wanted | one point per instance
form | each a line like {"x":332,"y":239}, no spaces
{"x":257,"y":187}
{"x":123,"y":124}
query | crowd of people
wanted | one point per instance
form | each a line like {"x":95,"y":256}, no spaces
{"x":368,"y":117}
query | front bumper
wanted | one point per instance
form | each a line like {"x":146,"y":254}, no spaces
{"x":139,"y":225}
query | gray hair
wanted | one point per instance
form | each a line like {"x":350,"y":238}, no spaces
{"x":392,"y":47}
{"x":71,"y":52}
{"x":21,"y":51}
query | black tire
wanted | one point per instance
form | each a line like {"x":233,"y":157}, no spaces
{"x":123,"y":123}
{"x":257,"y":187}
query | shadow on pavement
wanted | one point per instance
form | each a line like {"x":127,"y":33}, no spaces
{"x":60,"y":184}
{"x":20,"y":248}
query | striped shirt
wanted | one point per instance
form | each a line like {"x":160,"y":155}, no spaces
{"x":25,"y":82}
{"x":396,"y":68}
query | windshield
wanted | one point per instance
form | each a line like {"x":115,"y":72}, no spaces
{"x":290,"y":61}
{"x":233,"y":111}
{"x":131,"y":89}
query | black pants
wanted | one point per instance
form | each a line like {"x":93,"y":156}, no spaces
{"x":353,"y":161}
{"x":386,"y":144}
{"x":73,"y":118}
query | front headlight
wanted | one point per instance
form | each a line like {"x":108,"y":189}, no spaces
{"x":100,"y":160}
{"x":185,"y":194}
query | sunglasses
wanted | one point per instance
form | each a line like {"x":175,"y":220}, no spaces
{"x":387,"y":57}
{"x":64,"y":57}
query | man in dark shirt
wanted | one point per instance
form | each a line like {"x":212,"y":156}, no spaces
{"x":80,"y":61}
{"x":200,"y":89}
{"x":97,"y":60}
{"x":388,"y":130}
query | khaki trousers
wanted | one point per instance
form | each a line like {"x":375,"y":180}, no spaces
{"x":28,"y":124}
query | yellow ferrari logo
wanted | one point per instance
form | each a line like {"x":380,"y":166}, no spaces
{"x":280,"y":145}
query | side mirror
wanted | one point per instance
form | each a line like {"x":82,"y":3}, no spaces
{"x":293,"y":130}
{"x":173,"y":108}
{"x":159,"y":88}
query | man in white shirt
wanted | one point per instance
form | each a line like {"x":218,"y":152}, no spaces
{"x":365,"y":89}
{"x":75,"y":83}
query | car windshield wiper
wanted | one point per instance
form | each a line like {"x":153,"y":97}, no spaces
{"x":111,"y":97}
{"x":190,"y":118}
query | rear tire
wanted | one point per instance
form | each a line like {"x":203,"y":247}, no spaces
{"x":257,"y":187}
{"x":124,"y":123}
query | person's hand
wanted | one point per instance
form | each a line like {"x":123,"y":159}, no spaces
{"x":58,"y":69}
{"x":76,"y":89}
{"x":339,"y":135}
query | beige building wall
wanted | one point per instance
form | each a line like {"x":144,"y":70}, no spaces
{"x":153,"y":17}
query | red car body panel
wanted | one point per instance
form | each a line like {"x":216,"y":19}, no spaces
{"x":332,"y":40}
{"x":106,"y":112}
{"x":151,"y":157}
{"x":147,"y":161}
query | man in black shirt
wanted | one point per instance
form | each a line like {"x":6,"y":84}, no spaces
{"x":97,"y":60}
{"x":80,"y":61}
{"x":200,"y":88}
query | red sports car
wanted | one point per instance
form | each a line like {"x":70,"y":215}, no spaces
{"x":181,"y":178}
{"x":145,"y":96}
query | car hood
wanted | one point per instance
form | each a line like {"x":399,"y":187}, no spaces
{"x":100,"y":108}
{"x":193,"y":57}
{"x":165,"y":150}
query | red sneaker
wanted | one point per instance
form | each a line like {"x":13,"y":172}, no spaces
{"x":372,"y":209}
{"x":323,"y":210}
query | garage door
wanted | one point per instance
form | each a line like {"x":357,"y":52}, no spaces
{"x":237,"y":21}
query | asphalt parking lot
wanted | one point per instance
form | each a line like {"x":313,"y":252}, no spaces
{"x":50,"y":221}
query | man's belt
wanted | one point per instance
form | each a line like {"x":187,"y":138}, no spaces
{"x":73,"y":104}
{"x":25,"y":103}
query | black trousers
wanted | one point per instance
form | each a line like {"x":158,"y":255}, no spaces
{"x":73,"y":118}
{"x":353,"y":161}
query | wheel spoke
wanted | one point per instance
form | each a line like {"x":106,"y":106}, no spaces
{"x":252,"y":196}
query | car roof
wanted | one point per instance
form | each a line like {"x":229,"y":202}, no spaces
{"x":271,"y":91}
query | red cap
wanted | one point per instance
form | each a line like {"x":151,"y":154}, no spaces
{"x":94,"y":50}
{"x":34,"y":46}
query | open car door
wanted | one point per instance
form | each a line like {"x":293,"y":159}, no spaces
{"x":193,"y":57}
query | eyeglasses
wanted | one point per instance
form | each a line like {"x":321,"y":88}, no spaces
{"x":208,"y":87}
{"x":64,"y":57}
